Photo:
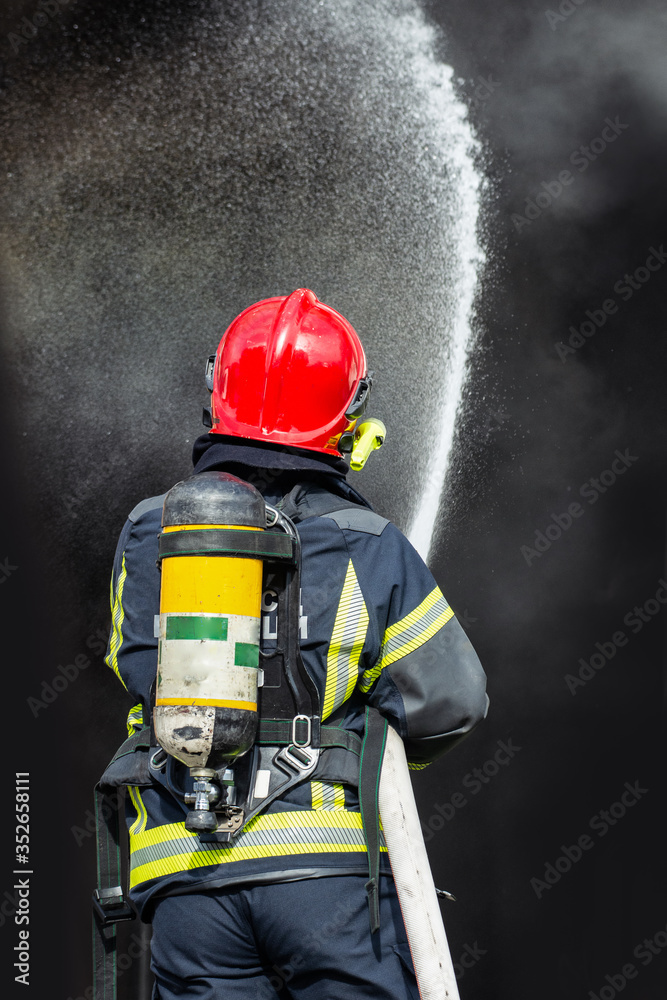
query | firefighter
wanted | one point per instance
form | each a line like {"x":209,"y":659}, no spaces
{"x":281,"y":908}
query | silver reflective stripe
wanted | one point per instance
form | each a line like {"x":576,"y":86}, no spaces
{"x":347,"y":643}
{"x":416,"y":629}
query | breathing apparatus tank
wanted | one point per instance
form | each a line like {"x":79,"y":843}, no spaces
{"x":209,"y":627}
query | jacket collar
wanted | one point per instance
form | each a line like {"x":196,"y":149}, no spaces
{"x":212,"y":450}
{"x":273,"y":470}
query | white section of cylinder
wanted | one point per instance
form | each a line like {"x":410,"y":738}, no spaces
{"x":204,"y":668}
{"x":412,"y":875}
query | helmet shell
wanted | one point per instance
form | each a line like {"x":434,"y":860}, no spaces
{"x":286,"y":371}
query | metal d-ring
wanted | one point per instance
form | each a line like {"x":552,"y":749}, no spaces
{"x":155,"y":766}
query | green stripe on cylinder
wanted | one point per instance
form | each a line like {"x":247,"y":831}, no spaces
{"x":196,"y":627}
{"x":246,"y":654}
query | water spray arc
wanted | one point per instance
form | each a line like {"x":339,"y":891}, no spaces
{"x":410,"y":865}
{"x":459,"y":146}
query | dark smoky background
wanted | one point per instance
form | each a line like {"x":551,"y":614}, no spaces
{"x":542,"y":82}
{"x":164,"y":164}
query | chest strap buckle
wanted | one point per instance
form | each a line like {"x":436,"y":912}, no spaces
{"x":303,"y":758}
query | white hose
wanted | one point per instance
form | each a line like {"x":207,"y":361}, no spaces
{"x":412,"y":875}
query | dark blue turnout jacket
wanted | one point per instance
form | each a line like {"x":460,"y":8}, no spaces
{"x":375,"y":629}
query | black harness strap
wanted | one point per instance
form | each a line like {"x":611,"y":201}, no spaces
{"x":110,"y":903}
{"x":226,"y":541}
{"x":309,"y":500}
{"x":138,"y":741}
{"x":338,"y":765}
{"x":312,"y":501}
{"x":370,"y":765}
{"x":278,"y":732}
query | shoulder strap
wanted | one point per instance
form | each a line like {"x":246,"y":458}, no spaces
{"x":110,"y":903}
{"x":310,"y":500}
{"x":370,"y":766}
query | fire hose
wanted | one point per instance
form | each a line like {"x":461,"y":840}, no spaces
{"x":412,"y":875}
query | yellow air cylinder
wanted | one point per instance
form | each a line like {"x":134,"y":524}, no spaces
{"x":209,"y":627}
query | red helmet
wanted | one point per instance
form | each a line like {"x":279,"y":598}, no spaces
{"x":289,"y":371}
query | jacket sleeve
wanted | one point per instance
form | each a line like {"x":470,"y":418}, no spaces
{"x":423,"y":673}
{"x":135,"y":600}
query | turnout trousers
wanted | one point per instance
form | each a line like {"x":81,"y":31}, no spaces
{"x":302,"y":940}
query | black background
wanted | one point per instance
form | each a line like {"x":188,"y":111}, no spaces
{"x":101,"y":396}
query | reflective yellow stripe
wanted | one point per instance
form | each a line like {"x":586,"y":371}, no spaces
{"x":135,"y":719}
{"x":139,"y":824}
{"x":418,"y":767}
{"x":298,"y":818}
{"x":317,"y":794}
{"x":409,"y":634}
{"x":347,"y":642}
{"x":171,"y":848}
{"x":414,"y":616}
{"x":117,"y":616}
{"x":327,"y":795}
